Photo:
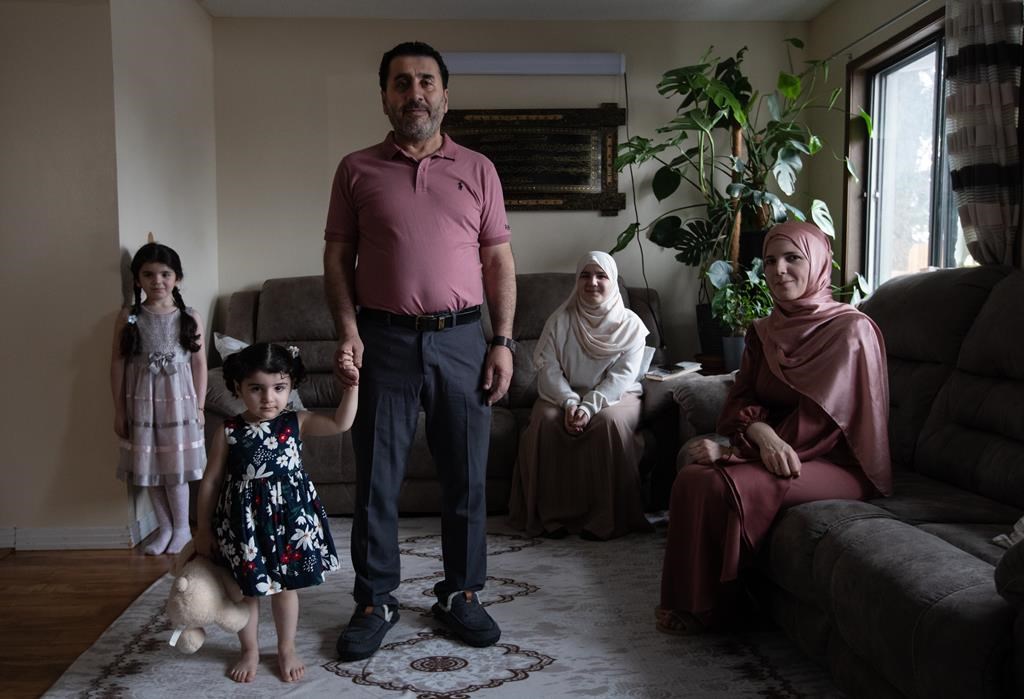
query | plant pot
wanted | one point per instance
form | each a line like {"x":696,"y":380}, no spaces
{"x":709,"y":330}
{"x":732,"y":351}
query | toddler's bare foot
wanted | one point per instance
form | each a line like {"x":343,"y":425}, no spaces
{"x":292,"y":668}
{"x":245,"y":669}
{"x":158,"y":545}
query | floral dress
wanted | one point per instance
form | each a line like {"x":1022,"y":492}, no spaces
{"x":270,"y":524}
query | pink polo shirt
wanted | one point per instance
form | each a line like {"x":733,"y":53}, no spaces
{"x":418,"y":226}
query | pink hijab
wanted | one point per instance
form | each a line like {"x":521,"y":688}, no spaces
{"x":833,"y":354}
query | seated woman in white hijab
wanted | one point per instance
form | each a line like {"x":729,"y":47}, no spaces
{"x":577,"y":470}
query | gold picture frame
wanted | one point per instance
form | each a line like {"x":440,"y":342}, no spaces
{"x":548,"y":159}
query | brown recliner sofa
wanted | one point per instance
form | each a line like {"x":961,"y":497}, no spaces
{"x":293,"y":311}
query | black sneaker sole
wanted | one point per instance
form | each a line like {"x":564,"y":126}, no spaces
{"x":371,"y":647}
{"x":477,"y":639}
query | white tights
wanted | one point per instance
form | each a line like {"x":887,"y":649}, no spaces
{"x":170,"y":504}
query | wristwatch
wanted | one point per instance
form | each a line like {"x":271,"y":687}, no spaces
{"x":502,"y":341}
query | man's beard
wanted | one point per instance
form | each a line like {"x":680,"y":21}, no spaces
{"x":416,"y":129}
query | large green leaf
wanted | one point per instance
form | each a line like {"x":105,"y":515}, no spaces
{"x":625,"y":237}
{"x":723,"y":98}
{"x":720,"y":273}
{"x":834,"y":96}
{"x":789,"y":85}
{"x":666,"y":232}
{"x":822,"y":217}
{"x":697,"y":240}
{"x":666,"y":182}
{"x":866,"y":118}
{"x":851,"y":169}
{"x":785,"y":169}
{"x":793,"y":41}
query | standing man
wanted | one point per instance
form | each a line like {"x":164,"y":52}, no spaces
{"x":425,"y":218}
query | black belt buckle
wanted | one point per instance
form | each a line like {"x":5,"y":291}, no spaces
{"x":431,"y":322}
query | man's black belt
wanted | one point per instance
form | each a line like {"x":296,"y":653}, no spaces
{"x":433,"y":321}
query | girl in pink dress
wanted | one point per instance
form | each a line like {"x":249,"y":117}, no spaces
{"x":158,"y":380}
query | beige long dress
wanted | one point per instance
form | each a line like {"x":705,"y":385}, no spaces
{"x":581,"y":483}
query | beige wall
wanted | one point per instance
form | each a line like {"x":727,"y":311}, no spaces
{"x":58,"y":265}
{"x":107,"y":133}
{"x":166,"y":149}
{"x":293,"y":96}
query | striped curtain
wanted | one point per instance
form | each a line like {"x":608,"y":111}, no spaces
{"x":983,"y":75}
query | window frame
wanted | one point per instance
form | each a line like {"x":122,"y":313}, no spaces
{"x":859,"y":73}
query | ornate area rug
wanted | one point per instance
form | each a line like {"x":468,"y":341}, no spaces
{"x":576,"y":616}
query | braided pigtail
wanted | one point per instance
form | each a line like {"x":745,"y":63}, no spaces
{"x":189,"y":337}
{"x":130,"y":333}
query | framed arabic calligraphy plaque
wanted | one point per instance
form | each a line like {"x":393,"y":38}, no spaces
{"x":548,"y":159}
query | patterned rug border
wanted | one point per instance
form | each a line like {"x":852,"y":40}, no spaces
{"x":588,"y":634}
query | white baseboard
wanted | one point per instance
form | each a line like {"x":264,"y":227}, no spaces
{"x":73,"y":538}
{"x":6,"y":537}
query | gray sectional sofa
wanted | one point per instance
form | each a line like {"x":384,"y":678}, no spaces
{"x":907,"y":596}
{"x":293,"y":311}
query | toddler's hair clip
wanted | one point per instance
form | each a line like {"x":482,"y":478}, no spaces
{"x":293,"y":350}
{"x":132,"y":319}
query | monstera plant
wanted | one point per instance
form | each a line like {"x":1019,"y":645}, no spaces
{"x":740,"y":151}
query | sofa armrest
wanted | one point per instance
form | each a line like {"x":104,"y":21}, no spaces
{"x":700,"y":400}
{"x":241,"y":320}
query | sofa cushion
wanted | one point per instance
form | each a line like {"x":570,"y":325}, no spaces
{"x":700,"y":400}
{"x":974,"y":437}
{"x":791,"y":556}
{"x":924,"y":319}
{"x":294,"y":308}
{"x":918,"y":499}
{"x":922,"y":612}
{"x":975,"y":539}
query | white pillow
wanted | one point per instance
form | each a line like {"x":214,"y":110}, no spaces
{"x":227,"y":345}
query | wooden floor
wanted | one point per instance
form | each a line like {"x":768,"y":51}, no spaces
{"x":55,"y":604}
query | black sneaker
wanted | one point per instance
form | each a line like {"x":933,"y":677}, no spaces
{"x":364,"y":633}
{"x":467,"y":619}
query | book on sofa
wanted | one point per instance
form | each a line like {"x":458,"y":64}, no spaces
{"x":664,"y":372}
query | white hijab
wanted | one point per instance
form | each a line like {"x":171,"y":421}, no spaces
{"x":607,"y":329}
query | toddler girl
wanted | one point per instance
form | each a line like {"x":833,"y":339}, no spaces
{"x":158,"y":378}
{"x":258,"y":511}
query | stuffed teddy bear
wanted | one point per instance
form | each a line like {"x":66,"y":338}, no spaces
{"x":202,"y":593}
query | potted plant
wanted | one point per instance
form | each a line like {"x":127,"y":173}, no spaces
{"x":738,"y":301}
{"x":767,"y":142}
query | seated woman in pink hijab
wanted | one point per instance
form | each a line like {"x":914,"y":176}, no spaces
{"x":577,"y":470}
{"x":807,"y":420}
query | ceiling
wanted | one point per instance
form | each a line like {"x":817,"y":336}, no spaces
{"x":685,"y":10}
